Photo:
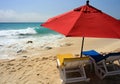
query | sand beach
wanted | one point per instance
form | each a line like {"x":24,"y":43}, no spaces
{"x":37,"y":64}
{"x":33,"y":33}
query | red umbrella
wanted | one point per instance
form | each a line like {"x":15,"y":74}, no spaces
{"x":85,"y":21}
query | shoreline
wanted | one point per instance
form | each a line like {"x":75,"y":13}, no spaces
{"x":16,"y":47}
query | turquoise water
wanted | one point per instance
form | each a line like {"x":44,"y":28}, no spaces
{"x":30,"y":28}
{"x":20,"y":25}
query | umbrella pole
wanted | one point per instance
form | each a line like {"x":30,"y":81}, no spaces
{"x":82,"y":46}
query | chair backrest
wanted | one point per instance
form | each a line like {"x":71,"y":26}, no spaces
{"x":95,"y":55}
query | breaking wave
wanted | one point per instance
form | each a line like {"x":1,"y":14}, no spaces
{"x":27,"y":31}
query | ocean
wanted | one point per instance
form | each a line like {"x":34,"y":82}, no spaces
{"x":17,"y":33}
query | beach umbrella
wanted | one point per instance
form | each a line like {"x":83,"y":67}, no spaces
{"x":85,"y":21}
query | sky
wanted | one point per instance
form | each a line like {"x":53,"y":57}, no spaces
{"x":41,"y":10}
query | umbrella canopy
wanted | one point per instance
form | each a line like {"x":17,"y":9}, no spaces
{"x":85,"y":21}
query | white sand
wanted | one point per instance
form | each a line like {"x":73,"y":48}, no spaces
{"x":37,"y":64}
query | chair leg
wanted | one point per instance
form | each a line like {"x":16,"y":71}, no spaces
{"x":119,"y":61}
{"x":99,"y":71}
{"x":82,"y":70}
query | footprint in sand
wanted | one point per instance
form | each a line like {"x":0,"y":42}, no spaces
{"x":66,"y":44}
{"x":45,"y":58}
{"x":1,"y":64}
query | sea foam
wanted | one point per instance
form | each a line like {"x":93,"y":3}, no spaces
{"x":5,"y":33}
{"x":15,"y":39}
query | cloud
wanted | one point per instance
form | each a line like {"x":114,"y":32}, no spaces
{"x":13,"y":16}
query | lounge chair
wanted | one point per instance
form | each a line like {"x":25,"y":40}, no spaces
{"x":71,"y":69}
{"x":104,"y":65}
